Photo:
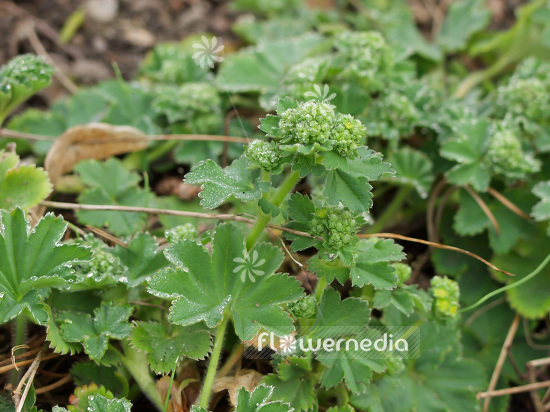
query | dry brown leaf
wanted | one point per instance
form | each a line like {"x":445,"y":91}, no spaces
{"x":247,"y":378}
{"x":91,"y":141}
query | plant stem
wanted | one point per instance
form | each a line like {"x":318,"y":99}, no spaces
{"x":321,"y":286}
{"x":136,"y":363}
{"x":19,"y":338}
{"x":264,"y":219}
{"x":170,"y":387}
{"x":160,"y":151}
{"x":478,"y":77}
{"x":391,"y":210}
{"x":213,"y":363}
{"x":20,"y":330}
{"x":342,"y":395}
{"x":531,"y":275}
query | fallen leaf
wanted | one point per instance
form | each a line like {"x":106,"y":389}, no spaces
{"x":247,"y":378}
{"x":91,"y":141}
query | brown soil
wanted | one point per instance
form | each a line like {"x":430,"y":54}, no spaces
{"x":91,"y":53}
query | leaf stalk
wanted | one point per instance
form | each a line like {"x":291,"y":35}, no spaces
{"x":213,"y":363}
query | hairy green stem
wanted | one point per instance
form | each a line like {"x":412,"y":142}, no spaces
{"x":321,"y":286}
{"x":342,"y":395}
{"x":19,"y":338}
{"x":391,"y":210}
{"x":264,"y":219}
{"x":138,"y":366}
{"x":480,"y":76}
{"x":20,"y":330}
{"x":531,"y":275}
{"x":213,"y":363}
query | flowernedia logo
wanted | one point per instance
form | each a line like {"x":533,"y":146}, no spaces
{"x":249,"y":266}
{"x":337,"y":342}
{"x":208,"y":52}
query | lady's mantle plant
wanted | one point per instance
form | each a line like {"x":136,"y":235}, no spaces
{"x":151,"y":306}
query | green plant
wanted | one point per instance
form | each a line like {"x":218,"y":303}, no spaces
{"x":361,"y":136}
{"x":20,"y":78}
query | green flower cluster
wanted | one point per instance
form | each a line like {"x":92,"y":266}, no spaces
{"x":310,"y":122}
{"x":446,"y":293}
{"x":337,"y":225}
{"x":181,"y":232}
{"x":524,"y":101}
{"x":403,"y":271}
{"x":347,"y":135}
{"x":524,"y":97}
{"x":194,"y":107}
{"x":316,"y":123}
{"x":305,"y":307}
{"x":172,"y":63}
{"x":368,"y":56}
{"x":507,"y":155}
{"x":264,"y":154}
{"x":392,"y":115}
{"x":103,"y":262}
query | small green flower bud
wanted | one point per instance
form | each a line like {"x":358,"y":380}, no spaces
{"x":403,"y":271}
{"x":181,"y":232}
{"x":305,"y":307}
{"x":264,"y":154}
{"x":308,"y":123}
{"x":446,"y":294}
{"x":394,"y":365}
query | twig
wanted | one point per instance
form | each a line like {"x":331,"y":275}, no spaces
{"x":15,"y":348}
{"x":516,"y":389}
{"x":441,"y":209}
{"x":151,"y":305}
{"x":501,"y":358}
{"x":10,"y":367}
{"x":532,"y":374}
{"x":417,"y":266}
{"x":203,"y":137}
{"x":27,"y":381}
{"x":161,"y":137}
{"x":25,"y":136}
{"x":41,"y":50}
{"x":106,"y":236}
{"x":430,"y":212}
{"x":507,"y":203}
{"x":484,"y":309}
{"x":485,"y":208}
{"x":290,"y":254}
{"x":156,"y":211}
{"x":546,"y":398}
{"x":238,"y":218}
{"x":437,"y":245}
{"x":514,"y":364}
{"x":529,"y":337}
{"x":54,"y":385}
{"x":231,"y":361}
{"x":8,"y":360}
